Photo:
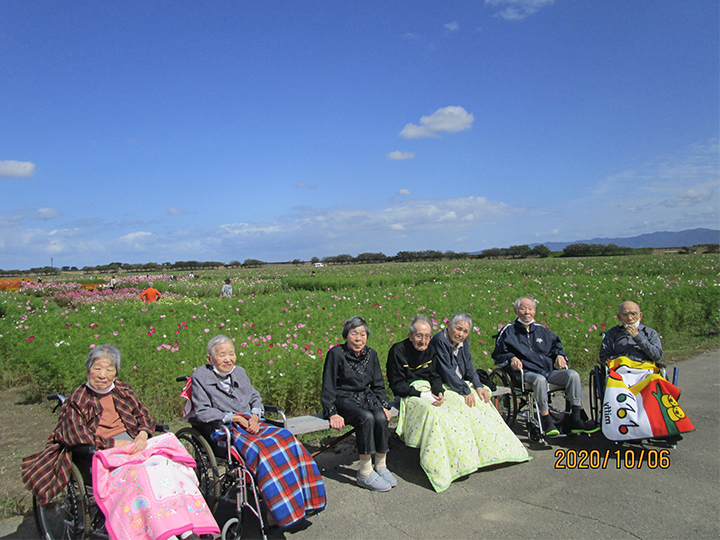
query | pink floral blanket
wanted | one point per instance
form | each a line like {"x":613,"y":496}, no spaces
{"x":152,"y":494}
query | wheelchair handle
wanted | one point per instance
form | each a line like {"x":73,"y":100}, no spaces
{"x":60,"y":400}
{"x":182,"y":379}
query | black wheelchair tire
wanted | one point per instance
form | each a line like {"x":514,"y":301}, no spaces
{"x":207,"y":469}
{"x":596,"y":394}
{"x":507,"y":403}
{"x":67,"y":516}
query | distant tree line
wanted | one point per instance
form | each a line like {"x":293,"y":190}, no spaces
{"x":595,"y":250}
{"x":522,"y":251}
{"x":517,"y":252}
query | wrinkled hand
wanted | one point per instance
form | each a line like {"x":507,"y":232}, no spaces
{"x":470,"y":400}
{"x":631,"y":330}
{"x":388,"y":414}
{"x":254,"y":425}
{"x":251,"y":426}
{"x":439,"y":399}
{"x":516,"y":364}
{"x":337,"y":421}
{"x":560,"y":362}
{"x":483,"y":394}
{"x":140,"y":442}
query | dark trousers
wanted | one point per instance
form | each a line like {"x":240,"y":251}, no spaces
{"x":371,"y":425}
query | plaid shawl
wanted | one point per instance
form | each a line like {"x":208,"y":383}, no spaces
{"x":46,"y":474}
{"x":288,"y":477}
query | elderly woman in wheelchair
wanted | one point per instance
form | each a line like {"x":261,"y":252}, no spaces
{"x":102,"y":424}
{"x":228,"y":412}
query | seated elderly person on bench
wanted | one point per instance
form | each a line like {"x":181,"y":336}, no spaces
{"x":539,"y":353}
{"x":631,"y":338}
{"x":454,"y":439}
{"x":104,"y":415}
{"x":353,"y":393}
{"x":286,"y":474}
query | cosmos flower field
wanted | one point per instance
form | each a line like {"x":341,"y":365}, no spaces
{"x":283,"y":321}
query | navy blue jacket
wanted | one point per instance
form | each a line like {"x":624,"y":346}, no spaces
{"x":447,"y":363}
{"x":537,"y":347}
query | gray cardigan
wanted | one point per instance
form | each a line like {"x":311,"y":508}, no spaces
{"x":212,"y":403}
{"x":643,"y":347}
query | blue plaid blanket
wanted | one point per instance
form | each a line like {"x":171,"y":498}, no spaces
{"x":286,"y":474}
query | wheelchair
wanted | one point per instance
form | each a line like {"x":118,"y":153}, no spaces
{"x":520,"y":402}
{"x":73,"y":513}
{"x":597,"y":381}
{"x":222,"y":473}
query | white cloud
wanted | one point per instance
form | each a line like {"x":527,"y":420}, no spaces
{"x":399,"y":224}
{"x":174,"y":211}
{"x":45,"y":213}
{"x":246,"y":229}
{"x":669,"y":193}
{"x":398,"y":155}
{"x":134,"y":237}
{"x":16,"y":169}
{"x":406,"y":192}
{"x":515,"y":10}
{"x":452,"y":27}
{"x":691,"y":197}
{"x":303,"y":185}
{"x":448,"y":119}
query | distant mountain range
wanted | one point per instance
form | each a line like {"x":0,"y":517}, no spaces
{"x":664,"y":239}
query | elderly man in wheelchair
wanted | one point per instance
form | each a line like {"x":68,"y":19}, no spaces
{"x":537,"y":354}
{"x":629,"y":392}
{"x":227,"y":419}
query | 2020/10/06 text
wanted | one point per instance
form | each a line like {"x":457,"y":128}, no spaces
{"x":628,"y":459}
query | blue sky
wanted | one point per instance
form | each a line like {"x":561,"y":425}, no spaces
{"x":160,"y":131}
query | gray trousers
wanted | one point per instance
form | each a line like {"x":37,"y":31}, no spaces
{"x":566,"y":378}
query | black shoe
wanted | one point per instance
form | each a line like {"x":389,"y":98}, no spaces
{"x":578,"y":424}
{"x":549,"y":426}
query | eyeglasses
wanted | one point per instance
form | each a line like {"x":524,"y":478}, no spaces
{"x":422,"y":336}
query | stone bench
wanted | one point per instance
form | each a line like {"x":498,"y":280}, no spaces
{"x":313,"y":423}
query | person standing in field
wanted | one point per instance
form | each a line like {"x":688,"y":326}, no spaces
{"x":226,"y":288}
{"x":525,"y":345}
{"x":630,"y":338}
{"x":150,"y":294}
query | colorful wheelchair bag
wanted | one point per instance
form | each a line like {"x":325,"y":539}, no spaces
{"x":639,"y":403}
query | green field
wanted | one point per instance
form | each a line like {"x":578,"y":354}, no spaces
{"x":283,"y":321}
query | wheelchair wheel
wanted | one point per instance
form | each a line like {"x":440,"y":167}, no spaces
{"x":596,"y":394}
{"x":66,"y":516}
{"x":232,"y":530}
{"x":206,"y":470}
{"x":507,"y":403}
{"x":534,"y":433}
